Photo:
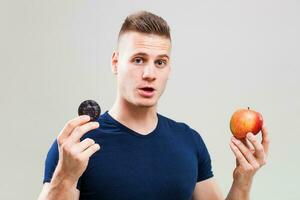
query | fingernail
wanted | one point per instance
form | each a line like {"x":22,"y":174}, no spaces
{"x":85,"y":117}
{"x":249,"y":135}
{"x":98,"y":146}
{"x":234,"y":140}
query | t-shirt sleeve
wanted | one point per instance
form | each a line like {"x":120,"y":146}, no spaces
{"x":51,"y":162}
{"x":204,"y":161}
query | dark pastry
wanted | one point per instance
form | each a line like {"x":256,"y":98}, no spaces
{"x":91,"y":108}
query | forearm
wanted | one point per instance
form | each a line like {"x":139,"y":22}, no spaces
{"x":239,"y":191}
{"x":59,"y":188}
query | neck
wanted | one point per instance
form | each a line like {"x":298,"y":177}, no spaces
{"x":141,"y":119}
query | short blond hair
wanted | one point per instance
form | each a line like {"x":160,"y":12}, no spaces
{"x":145,"y":22}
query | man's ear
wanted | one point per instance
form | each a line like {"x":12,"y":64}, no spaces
{"x":114,"y":62}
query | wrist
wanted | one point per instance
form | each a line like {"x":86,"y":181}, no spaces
{"x":62,"y":180}
{"x":243,"y":183}
{"x":242,"y":186}
{"x":239,"y":190}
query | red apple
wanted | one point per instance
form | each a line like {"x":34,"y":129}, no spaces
{"x":244,"y":121}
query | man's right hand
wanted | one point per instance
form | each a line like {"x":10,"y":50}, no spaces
{"x":73,"y":159}
{"x":73,"y":153}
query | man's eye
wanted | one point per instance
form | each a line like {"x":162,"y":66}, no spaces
{"x":161,"y":63}
{"x":138,"y":60}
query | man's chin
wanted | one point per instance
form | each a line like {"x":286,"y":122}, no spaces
{"x":146,"y":104}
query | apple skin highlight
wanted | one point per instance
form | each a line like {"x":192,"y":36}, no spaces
{"x":244,"y":121}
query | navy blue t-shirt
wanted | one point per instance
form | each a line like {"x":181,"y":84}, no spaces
{"x":164,"y":164}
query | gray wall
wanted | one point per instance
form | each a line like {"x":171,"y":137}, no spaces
{"x":226,"y":55}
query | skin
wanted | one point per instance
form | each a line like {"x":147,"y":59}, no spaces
{"x":141,"y":60}
{"x":73,"y":159}
{"x":144,"y":60}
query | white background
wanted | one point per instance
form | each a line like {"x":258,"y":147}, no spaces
{"x":226,"y":55}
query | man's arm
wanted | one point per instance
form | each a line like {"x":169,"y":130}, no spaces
{"x":60,"y":187}
{"x":250,"y":157}
{"x":73,"y":159}
{"x":207,"y":190}
{"x":50,"y":192}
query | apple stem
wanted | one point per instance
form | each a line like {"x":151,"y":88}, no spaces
{"x":248,"y":108}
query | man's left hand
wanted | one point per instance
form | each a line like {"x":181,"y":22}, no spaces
{"x":250,"y":156}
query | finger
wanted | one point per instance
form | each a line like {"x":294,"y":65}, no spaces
{"x":259,"y":149}
{"x":248,"y":144}
{"x":240,"y":159}
{"x":246,"y":152}
{"x":70,"y":125}
{"x":265,"y":139}
{"x":83,"y":145}
{"x":79,"y":131}
{"x":90,"y":151}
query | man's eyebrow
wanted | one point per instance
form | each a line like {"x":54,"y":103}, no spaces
{"x":139,"y":54}
{"x":163,"y":55}
{"x":145,"y":55}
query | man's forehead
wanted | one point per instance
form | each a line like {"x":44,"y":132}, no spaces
{"x":136,"y":42}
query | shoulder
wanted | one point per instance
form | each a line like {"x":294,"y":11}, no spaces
{"x":178,"y":125}
{"x":185,"y":133}
{"x":172,"y":123}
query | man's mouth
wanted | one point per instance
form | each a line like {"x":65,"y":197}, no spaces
{"x":146,"y":92}
{"x":148,"y":89}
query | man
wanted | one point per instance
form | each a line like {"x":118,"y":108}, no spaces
{"x":143,"y":155}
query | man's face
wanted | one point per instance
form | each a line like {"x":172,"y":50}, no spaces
{"x":142,"y":65}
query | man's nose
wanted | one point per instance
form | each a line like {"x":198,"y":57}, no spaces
{"x":149,"y":72}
